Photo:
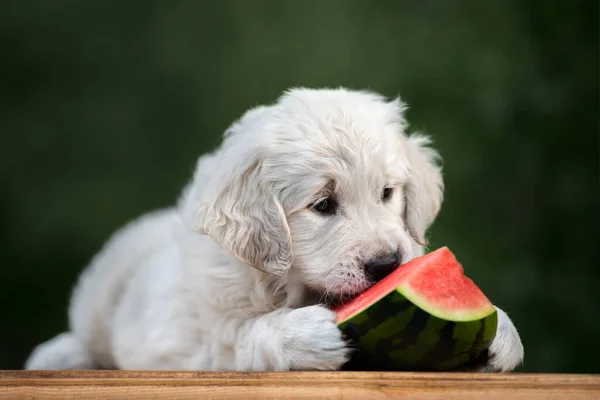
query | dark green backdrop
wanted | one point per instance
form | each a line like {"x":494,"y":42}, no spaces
{"x":105,"y":105}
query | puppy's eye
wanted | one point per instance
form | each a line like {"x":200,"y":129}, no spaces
{"x":326,"y":206}
{"x":387,"y":193}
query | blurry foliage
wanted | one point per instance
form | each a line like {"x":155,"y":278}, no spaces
{"x":105,"y":105}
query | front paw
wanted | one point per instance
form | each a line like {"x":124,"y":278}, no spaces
{"x":506,"y":351}
{"x":312,"y":340}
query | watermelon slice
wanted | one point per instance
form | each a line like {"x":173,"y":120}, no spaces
{"x":426,"y":315}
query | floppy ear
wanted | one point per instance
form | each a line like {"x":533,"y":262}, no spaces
{"x":239,"y":209}
{"x":424,"y":191}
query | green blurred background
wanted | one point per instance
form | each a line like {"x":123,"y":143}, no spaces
{"x":105,"y":105}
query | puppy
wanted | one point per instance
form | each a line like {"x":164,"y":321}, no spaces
{"x":306,"y":202}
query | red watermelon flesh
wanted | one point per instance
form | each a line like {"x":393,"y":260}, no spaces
{"x":435,"y":282}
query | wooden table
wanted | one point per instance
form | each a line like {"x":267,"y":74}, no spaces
{"x":297,"y":385}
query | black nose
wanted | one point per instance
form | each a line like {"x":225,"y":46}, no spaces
{"x":380,"y":267}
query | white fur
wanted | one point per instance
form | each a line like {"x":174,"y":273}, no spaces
{"x":176,"y":290}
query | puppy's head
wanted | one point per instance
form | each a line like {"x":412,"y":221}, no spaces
{"x":323,"y":186}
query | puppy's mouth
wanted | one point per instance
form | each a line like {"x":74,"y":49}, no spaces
{"x":330,"y":299}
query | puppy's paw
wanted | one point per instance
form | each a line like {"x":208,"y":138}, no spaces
{"x":506,"y":351}
{"x":312,"y":340}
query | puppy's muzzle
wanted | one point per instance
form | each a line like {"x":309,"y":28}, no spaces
{"x":379,"y":267}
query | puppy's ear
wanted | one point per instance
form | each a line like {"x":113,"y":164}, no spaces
{"x":424,"y":191}
{"x":239,"y":209}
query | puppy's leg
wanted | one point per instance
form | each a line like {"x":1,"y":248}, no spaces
{"x":506,"y":351}
{"x":291,"y":339}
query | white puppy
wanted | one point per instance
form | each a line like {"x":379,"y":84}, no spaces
{"x":309,"y":200}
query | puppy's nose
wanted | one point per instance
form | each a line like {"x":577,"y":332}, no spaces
{"x":380,"y":267}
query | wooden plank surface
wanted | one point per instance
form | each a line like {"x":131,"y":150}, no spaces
{"x":297,"y":385}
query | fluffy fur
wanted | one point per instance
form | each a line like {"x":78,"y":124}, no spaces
{"x":234,"y":277}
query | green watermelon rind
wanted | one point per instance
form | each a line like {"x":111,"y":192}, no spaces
{"x":374,"y":300}
{"x":395,"y":333}
{"x":456,"y":315}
